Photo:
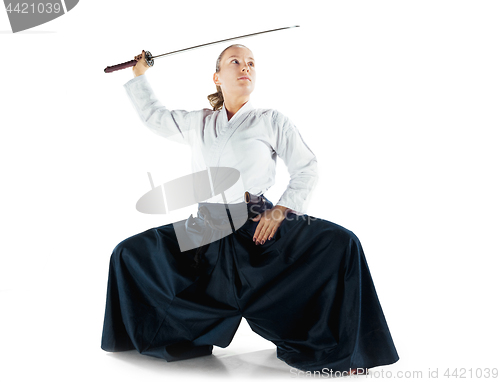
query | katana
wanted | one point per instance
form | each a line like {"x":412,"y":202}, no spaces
{"x":150,"y":58}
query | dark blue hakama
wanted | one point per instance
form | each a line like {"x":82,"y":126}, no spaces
{"x":308,"y":290}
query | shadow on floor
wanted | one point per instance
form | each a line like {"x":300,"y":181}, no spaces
{"x":262,"y":363}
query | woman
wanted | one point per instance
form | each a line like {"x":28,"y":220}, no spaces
{"x":301,"y":282}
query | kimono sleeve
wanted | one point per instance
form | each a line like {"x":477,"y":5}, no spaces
{"x":301,"y":163}
{"x":175,"y":125}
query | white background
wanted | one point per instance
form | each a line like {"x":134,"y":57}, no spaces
{"x":399,"y":100}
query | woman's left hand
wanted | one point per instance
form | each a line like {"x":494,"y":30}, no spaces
{"x":269,"y":221}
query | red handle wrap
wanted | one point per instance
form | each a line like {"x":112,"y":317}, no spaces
{"x":113,"y":68}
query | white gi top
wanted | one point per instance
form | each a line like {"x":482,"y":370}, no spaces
{"x":249,"y":142}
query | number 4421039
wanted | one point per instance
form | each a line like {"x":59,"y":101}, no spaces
{"x":30,"y":8}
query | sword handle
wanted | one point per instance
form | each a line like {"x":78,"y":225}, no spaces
{"x":124,"y":65}
{"x":148,"y":57}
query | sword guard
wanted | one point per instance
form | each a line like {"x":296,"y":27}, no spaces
{"x":149,"y":58}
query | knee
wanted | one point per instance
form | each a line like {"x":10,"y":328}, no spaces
{"x":121,"y":250}
{"x":128,"y":248}
{"x":341,"y":234}
{"x":350,"y":236}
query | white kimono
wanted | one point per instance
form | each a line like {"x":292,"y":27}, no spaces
{"x":249,"y":143}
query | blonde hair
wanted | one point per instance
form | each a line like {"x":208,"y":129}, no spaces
{"x":217,"y":99}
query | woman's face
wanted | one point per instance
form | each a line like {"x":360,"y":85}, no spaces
{"x":236,"y":75}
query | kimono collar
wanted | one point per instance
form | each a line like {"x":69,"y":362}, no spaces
{"x":245,"y":108}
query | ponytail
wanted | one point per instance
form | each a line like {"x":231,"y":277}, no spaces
{"x":216,"y":99}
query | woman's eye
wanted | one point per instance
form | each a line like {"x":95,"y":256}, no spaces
{"x":235,"y":60}
{"x":251,"y":64}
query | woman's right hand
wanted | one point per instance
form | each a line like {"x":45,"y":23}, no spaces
{"x":141,"y":66}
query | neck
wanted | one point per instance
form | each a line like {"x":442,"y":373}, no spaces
{"x":233,"y":105}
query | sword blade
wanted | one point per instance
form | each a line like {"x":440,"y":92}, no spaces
{"x":220,"y":41}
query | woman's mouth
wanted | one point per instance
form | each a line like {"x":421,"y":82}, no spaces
{"x":244,"y":78}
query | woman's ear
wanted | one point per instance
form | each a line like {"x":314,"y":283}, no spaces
{"x":216,"y":79}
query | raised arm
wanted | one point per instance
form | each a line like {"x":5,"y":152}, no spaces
{"x":175,"y":125}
